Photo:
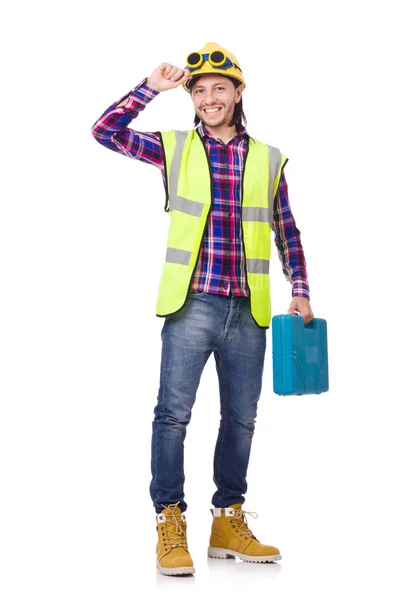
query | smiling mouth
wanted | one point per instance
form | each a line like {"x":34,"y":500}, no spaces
{"x":210,"y":111}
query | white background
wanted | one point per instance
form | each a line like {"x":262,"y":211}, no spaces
{"x":82,"y":242}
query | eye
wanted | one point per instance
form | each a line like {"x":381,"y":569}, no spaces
{"x":220,"y":88}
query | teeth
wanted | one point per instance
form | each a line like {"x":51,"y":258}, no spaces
{"x":211,"y":110}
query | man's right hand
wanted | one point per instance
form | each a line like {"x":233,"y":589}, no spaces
{"x":167,"y":77}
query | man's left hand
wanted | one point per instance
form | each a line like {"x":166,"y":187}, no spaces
{"x":301,"y":305}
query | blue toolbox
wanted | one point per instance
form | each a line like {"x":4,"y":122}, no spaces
{"x":300,"y":356}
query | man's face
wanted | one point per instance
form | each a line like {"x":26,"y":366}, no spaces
{"x":214,"y":98}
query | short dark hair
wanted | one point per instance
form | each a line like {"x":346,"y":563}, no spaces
{"x":238,"y":119}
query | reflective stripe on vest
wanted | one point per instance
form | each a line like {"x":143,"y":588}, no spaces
{"x":177,"y":202}
{"x":180,"y":257}
{"x":275,"y":161}
{"x":257,"y":265}
{"x":173,"y":255}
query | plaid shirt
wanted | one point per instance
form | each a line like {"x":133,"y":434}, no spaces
{"x":220,"y":268}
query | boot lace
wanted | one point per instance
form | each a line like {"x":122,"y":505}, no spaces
{"x":174,"y":528}
{"x":241,"y":521}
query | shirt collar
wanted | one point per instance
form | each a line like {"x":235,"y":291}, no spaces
{"x":204,"y":133}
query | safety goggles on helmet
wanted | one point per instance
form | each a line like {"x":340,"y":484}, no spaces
{"x":217,"y":59}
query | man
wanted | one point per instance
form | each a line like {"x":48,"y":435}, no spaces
{"x":225,"y":192}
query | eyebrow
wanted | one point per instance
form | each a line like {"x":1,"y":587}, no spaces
{"x":220,"y":83}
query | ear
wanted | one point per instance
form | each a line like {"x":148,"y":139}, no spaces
{"x":239,"y":91}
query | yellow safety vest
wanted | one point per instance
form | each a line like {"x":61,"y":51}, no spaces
{"x":189,"y":198}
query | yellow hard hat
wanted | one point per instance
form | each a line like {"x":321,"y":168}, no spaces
{"x":213,"y":59}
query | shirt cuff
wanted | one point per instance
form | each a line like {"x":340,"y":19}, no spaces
{"x":301,"y":288}
{"x":141,"y":94}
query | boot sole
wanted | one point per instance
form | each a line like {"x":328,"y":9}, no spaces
{"x":175,"y":570}
{"x":222,"y":553}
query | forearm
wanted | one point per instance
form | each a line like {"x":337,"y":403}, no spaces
{"x":112,"y":131}
{"x":288,"y":243}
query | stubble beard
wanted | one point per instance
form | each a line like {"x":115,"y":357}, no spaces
{"x":226,"y":120}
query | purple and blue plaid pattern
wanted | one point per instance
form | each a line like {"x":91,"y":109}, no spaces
{"x":220,"y":268}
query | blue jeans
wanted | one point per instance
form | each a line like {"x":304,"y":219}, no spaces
{"x":222,"y":325}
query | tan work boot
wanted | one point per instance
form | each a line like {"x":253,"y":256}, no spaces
{"x":231,"y":536}
{"x":173,"y":556}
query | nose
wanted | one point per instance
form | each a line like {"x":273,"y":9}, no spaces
{"x":209,"y":97}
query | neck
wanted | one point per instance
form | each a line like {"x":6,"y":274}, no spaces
{"x":223,"y":132}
